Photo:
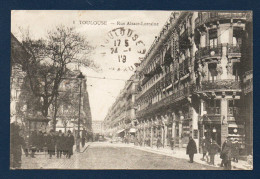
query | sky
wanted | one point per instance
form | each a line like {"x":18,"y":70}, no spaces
{"x":120,"y":39}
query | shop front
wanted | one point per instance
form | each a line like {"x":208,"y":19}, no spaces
{"x":211,"y":128}
{"x":236,"y":133}
{"x":185,"y":132}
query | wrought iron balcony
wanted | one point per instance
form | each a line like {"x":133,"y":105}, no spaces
{"x":208,"y":17}
{"x":213,"y":110}
{"x":209,"y":52}
{"x":233,"y":50}
{"x":179,"y":95}
{"x":130,"y":105}
{"x":218,"y":85}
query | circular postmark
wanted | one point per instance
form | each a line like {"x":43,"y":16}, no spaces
{"x":124,"y":48}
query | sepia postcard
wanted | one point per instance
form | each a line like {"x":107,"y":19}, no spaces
{"x":153,"y":90}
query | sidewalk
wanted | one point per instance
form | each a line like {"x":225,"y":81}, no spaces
{"x":42,"y":161}
{"x":181,"y":153}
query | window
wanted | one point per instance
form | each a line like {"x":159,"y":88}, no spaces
{"x":213,"y":39}
{"x":237,"y":36}
{"x":236,"y":70}
{"x":213,"y":106}
{"x":233,"y":107}
{"x":212,"y":71}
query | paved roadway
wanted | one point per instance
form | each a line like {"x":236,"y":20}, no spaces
{"x":112,"y":156}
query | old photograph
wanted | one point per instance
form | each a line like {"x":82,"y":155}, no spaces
{"x":131,"y":90}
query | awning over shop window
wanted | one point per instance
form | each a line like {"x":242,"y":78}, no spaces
{"x":132,"y":130}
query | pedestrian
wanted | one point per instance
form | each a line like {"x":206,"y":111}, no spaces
{"x":70,"y":144}
{"x":172,"y":143}
{"x":222,"y":154}
{"x":44,"y":138}
{"x":235,"y":151}
{"x":214,"y":148}
{"x":191,"y":149}
{"x":83,"y":139}
{"x":66,"y":145}
{"x":17,"y":143}
{"x":59,"y":142}
{"x":227,"y":155}
{"x":50,"y":143}
{"x":204,"y":145}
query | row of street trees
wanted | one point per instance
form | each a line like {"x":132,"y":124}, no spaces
{"x":49,"y":63}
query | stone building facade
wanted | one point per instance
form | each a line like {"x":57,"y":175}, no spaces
{"x":190,"y":82}
{"x":120,"y":120}
{"x":68,"y":112}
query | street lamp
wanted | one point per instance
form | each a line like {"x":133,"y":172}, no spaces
{"x":80,"y":77}
{"x":215,"y":134}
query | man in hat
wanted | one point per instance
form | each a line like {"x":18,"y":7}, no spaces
{"x":235,"y":150}
{"x":222,"y":154}
{"x":226,"y":154}
{"x":50,"y":143}
{"x":191,"y":149}
{"x":205,"y":147}
{"x":70,"y":143}
{"x":59,"y":142}
{"x":213,"y":149}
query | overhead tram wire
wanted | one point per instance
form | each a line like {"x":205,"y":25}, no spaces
{"x":105,"y":78}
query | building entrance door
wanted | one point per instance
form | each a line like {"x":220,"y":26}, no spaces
{"x":213,"y":131}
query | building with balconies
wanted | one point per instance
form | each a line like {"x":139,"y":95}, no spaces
{"x":120,"y":119}
{"x":220,"y":39}
{"x":68,"y":104}
{"x":190,"y":82}
{"x":18,"y":54}
{"x":164,"y":103}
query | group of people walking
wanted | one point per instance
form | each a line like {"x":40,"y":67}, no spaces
{"x":210,"y":148}
{"x":147,"y":142}
{"x":61,"y":143}
{"x":52,"y":143}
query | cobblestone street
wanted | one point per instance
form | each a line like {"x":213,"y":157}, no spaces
{"x":112,"y":156}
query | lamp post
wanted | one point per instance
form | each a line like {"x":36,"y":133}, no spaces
{"x":80,"y":77}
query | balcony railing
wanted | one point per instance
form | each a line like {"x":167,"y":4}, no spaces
{"x":209,"y":52}
{"x":233,"y":50}
{"x":213,"y":110}
{"x":180,"y":94}
{"x":130,"y":105}
{"x":219,"y":85}
{"x":214,"y":16}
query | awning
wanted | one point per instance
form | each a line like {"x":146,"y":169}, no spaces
{"x":122,"y":130}
{"x":132,"y":130}
{"x":235,"y":125}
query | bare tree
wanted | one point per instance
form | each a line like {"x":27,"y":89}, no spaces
{"x":50,"y":60}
